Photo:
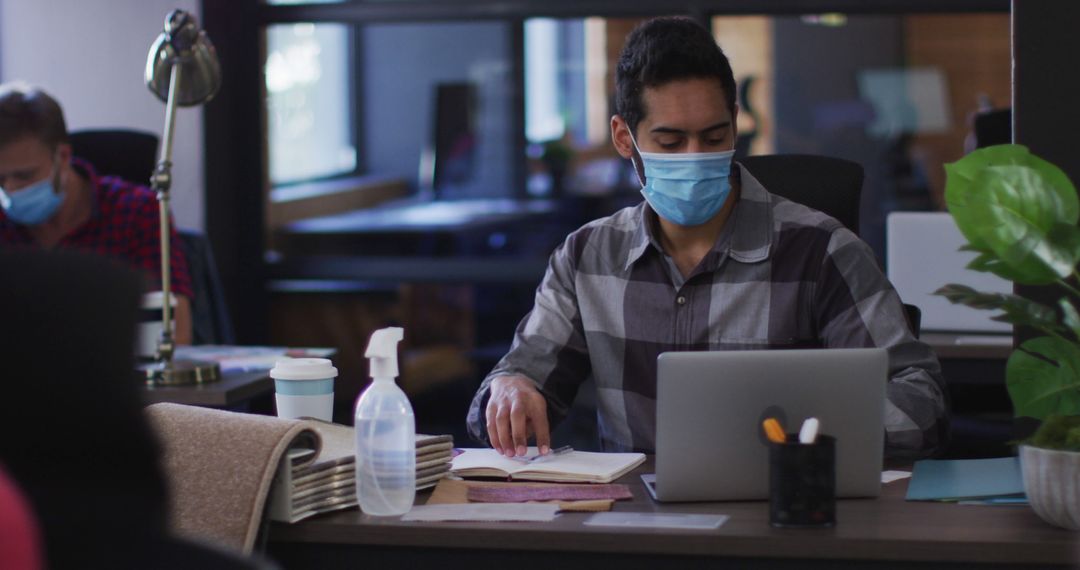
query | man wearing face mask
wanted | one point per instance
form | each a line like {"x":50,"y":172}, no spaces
{"x":52,"y":200}
{"x":709,"y":261}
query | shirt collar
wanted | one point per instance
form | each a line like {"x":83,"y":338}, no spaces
{"x":753,"y":218}
{"x":748,"y":238}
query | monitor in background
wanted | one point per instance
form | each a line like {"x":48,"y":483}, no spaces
{"x":710,"y":406}
{"x":922,"y":255}
{"x":449,"y":160}
{"x":905,"y":100}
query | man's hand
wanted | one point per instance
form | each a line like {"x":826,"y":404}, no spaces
{"x":516,"y":410}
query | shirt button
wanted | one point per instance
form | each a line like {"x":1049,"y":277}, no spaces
{"x":681,"y":300}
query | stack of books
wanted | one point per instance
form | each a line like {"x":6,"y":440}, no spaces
{"x":306,"y":486}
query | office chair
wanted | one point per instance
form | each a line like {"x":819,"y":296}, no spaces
{"x":993,"y":128}
{"x":210,"y":323}
{"x":830,"y":185}
{"x":132,"y":155}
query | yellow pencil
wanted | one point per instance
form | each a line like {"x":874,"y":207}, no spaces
{"x":773,"y":430}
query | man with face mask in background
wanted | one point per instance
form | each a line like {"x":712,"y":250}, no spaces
{"x":52,"y":200}
{"x":709,"y":261}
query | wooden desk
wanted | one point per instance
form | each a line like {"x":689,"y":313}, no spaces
{"x":234,"y":387}
{"x":884,"y":533}
{"x":967,"y":346}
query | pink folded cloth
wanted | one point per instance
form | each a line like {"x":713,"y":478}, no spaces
{"x":515,"y":494}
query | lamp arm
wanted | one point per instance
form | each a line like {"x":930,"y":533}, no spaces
{"x":161,"y":182}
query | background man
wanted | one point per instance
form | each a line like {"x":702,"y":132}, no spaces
{"x":52,"y":200}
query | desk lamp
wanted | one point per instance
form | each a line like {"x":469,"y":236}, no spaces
{"x":181,"y":69}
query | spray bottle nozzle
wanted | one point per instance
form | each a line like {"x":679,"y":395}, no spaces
{"x":382,"y":350}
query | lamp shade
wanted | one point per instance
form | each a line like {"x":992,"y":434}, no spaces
{"x":184,"y":44}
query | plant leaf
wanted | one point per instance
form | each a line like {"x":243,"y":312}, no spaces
{"x":1017,"y":310}
{"x":1067,"y":236}
{"x":1018,"y":207}
{"x":960,"y":189}
{"x":1069,"y":316}
{"x":988,"y":262}
{"x":1041,"y":377}
{"x":1022,"y":225}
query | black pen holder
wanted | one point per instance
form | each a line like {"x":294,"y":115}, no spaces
{"x":802,"y":483}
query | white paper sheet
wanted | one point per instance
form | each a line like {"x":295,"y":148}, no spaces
{"x":485,"y":512}
{"x":890,"y":476}
{"x":657,"y":520}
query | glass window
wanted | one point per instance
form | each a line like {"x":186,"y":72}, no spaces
{"x":901,"y":104}
{"x":438,"y":107}
{"x":569,"y":85}
{"x":309,"y":113}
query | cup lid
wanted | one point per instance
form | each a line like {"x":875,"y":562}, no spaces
{"x":152,"y":300}
{"x":303,"y":369}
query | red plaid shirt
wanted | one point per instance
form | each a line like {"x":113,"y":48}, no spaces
{"x":123,"y":225}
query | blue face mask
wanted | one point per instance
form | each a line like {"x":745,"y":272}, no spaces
{"x":687,"y":189}
{"x":32,"y":205}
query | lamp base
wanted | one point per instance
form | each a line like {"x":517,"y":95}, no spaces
{"x":180,"y":373}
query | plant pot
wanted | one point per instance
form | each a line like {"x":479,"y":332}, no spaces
{"x":1052,"y":484}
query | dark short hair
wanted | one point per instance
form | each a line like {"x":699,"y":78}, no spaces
{"x":29,"y":111}
{"x":663,"y":50}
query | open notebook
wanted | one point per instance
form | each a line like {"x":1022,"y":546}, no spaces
{"x":572,"y":467}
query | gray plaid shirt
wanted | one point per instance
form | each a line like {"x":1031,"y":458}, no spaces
{"x":780,"y":276}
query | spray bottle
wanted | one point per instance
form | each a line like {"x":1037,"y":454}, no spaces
{"x":385,"y":434}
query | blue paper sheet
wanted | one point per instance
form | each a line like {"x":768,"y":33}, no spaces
{"x":934,"y":480}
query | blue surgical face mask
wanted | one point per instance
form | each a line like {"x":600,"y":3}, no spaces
{"x":687,"y":189}
{"x":33,"y":204}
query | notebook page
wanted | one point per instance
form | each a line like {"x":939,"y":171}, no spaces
{"x":487,"y":459}
{"x":595,"y":465}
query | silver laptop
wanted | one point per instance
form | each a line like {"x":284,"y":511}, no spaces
{"x":710,"y":445}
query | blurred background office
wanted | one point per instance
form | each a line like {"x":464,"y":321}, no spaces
{"x":413,"y":163}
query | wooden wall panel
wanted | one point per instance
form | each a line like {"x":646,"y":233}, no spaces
{"x":973,"y":51}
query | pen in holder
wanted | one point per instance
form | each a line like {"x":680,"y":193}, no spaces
{"x":802,"y":482}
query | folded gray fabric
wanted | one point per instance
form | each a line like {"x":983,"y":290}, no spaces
{"x":220,"y":466}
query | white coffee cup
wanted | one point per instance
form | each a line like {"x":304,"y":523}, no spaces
{"x":149,"y":331}
{"x":304,"y":388}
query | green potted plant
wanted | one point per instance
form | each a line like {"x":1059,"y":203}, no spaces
{"x":1019,"y":215}
{"x":556,"y":157}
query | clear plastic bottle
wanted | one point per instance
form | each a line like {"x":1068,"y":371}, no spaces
{"x":385,"y":434}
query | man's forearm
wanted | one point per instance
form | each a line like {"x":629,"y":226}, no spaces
{"x":182,"y":321}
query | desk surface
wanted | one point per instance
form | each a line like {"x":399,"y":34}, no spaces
{"x":886,"y":532}
{"x":232,"y":388}
{"x":245,"y":374}
{"x":968,"y":346}
{"x":421,"y":215}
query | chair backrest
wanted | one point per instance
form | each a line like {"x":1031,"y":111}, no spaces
{"x":210,"y":321}
{"x":129,"y":154}
{"x":993,"y":127}
{"x":830,"y":185}
{"x":914,"y":319}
